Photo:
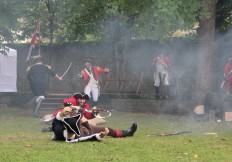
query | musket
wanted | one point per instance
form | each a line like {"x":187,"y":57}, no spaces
{"x":96,"y":112}
{"x":49,"y":119}
{"x":169,"y":134}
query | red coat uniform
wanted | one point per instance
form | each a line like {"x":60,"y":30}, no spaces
{"x":164,"y":59}
{"x":228,"y":73}
{"x":74,"y":102}
{"x":96,"y":70}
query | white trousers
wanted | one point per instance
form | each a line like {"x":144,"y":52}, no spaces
{"x":95,"y":137}
{"x":93,"y":90}
{"x":157,"y":78}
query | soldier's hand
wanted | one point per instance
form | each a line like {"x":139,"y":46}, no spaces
{"x":65,"y":111}
{"x":76,"y":107}
{"x":95,"y":110}
{"x":107,"y":70}
{"x":58,"y":77}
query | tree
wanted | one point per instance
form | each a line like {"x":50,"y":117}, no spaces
{"x":206,"y":51}
{"x":47,"y":12}
{"x":118,"y":20}
{"x":8,"y":22}
{"x":223,"y":16}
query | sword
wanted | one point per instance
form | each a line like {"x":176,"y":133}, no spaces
{"x":66,"y":70}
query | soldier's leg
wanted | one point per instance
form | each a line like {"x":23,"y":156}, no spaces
{"x":95,"y":93}
{"x":38,"y":102}
{"x":117,"y":133}
{"x":162,"y":85}
{"x":166,"y":83}
{"x":157,"y":90}
{"x":87,"y":90}
{"x":157,"y":79}
{"x":70,"y":137}
{"x":154,"y":78}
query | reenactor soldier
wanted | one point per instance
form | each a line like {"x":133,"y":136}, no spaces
{"x":161,"y":64}
{"x":90,"y":75}
{"x":36,"y":75}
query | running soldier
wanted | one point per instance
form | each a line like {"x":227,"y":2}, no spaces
{"x":36,"y":75}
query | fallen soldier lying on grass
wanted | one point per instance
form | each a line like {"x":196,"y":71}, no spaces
{"x":68,"y":126}
{"x":78,"y":99}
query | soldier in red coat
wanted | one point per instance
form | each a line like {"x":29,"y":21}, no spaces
{"x":68,"y":126}
{"x":78,"y":99}
{"x":161,"y":64}
{"x":90,"y":75}
{"x":228,"y":76}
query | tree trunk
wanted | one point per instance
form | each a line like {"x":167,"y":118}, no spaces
{"x":51,"y":26}
{"x":206,"y":53}
{"x":116,"y":39}
{"x":124,"y":63}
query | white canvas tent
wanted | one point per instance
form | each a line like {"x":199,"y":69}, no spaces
{"x":8,"y":71}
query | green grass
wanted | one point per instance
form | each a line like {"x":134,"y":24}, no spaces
{"x":21,"y":139}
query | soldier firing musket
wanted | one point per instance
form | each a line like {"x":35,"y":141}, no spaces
{"x":68,"y":125}
{"x":78,"y":102}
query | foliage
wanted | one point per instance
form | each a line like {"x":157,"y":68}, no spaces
{"x":161,"y":19}
{"x":77,"y":20}
{"x":136,"y":19}
{"x":45,"y":11}
{"x":8,"y":22}
{"x":22,"y":140}
{"x":224,"y":15}
{"x":104,"y":19}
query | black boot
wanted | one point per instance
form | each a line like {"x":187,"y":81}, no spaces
{"x":157,"y":92}
{"x":167,"y":92}
{"x":129,"y":132}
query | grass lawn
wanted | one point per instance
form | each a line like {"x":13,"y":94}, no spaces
{"x":21,"y":139}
